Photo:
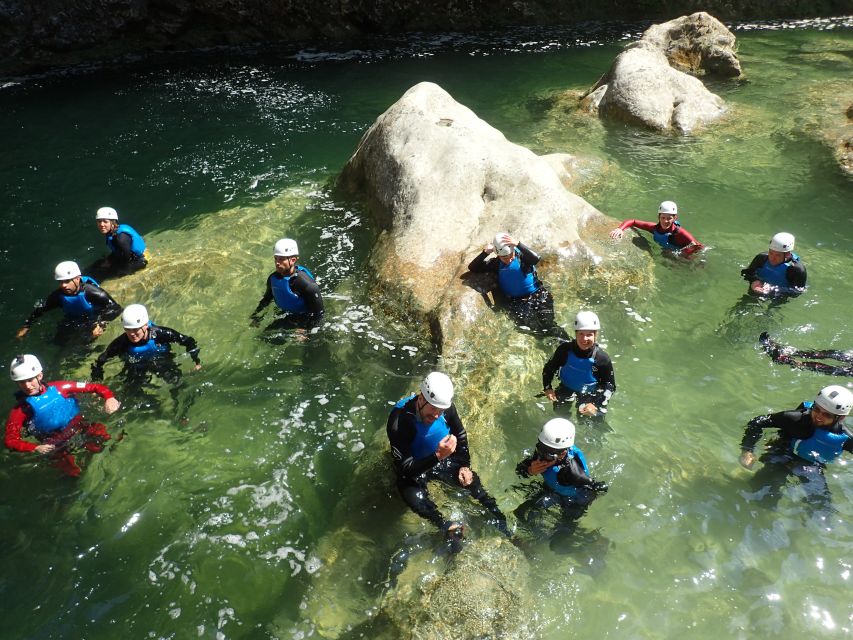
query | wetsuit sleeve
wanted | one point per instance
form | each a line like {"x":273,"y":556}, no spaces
{"x":114,"y":348}
{"x":70,"y":388}
{"x":682,"y":237}
{"x":481,"y":265}
{"x":848,"y":444}
{"x":605,"y":376}
{"x":571,"y":474}
{"x":265,"y":300}
{"x":750,"y":273}
{"x":796,"y":275}
{"x":121,"y":247}
{"x":522,"y":467}
{"x":41,"y":306}
{"x":165,"y":335}
{"x":790,"y":423}
{"x":462,"y":455}
{"x":557,"y":360}
{"x":309,"y":291}
{"x":14,"y":426}
{"x":639,"y":224}
{"x":107,"y":308}
{"x":401,"y":433}
{"x":528,"y":256}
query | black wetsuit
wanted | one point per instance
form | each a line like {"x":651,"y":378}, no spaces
{"x":535,"y":310}
{"x":162,"y":363}
{"x":602,"y":371}
{"x":303,"y":287}
{"x":120,"y":262}
{"x":787,"y":355}
{"x":413,"y":474}
{"x":791,"y":425}
{"x":104,"y":308}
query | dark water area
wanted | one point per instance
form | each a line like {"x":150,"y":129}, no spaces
{"x":225,"y":527}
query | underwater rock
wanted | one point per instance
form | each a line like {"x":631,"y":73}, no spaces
{"x":440,"y":183}
{"x":645,"y":85}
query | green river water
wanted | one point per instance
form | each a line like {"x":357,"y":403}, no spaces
{"x":224,"y":527}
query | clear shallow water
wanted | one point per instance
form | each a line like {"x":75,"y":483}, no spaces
{"x":223,"y":526}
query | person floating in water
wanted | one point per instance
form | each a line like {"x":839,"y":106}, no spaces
{"x":564,"y":472}
{"x":428,"y":442}
{"x":585,"y":370}
{"x":779,"y":271}
{"x":86,"y":306}
{"x":146,"y":347}
{"x":810,"y":437}
{"x":788,"y":355}
{"x":667,"y":231}
{"x":293,"y":288}
{"x":527,"y":300}
{"x":127,"y":248}
{"x":49,"y":413}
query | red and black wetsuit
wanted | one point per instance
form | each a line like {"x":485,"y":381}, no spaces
{"x":676,"y":236}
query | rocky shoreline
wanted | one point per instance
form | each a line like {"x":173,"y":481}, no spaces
{"x":37,"y":35}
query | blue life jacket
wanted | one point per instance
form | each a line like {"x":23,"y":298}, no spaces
{"x":664,"y":238}
{"x":823,"y":446}
{"x":513,"y":281}
{"x":577,"y":373}
{"x":427,"y":437}
{"x":51,"y":410}
{"x":77,"y":306}
{"x":550,"y":474}
{"x":147,"y":350}
{"x":284,"y":297}
{"x":137,"y":244}
{"x":776,"y":275}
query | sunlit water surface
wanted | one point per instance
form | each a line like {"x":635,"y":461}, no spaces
{"x":215,"y":528}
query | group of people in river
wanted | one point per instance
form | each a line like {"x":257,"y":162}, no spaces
{"x":426,"y":435}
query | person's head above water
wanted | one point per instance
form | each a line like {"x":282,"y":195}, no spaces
{"x":285,"y":254}
{"x":667,"y":213}
{"x":833,"y":403}
{"x":106,"y":218}
{"x":781,"y":246}
{"x":436,"y":395}
{"x":27,"y":372}
{"x":556,"y":436}
{"x":586,"y":326}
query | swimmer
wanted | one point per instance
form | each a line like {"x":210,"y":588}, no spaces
{"x":127,"y":248}
{"x":779,"y":271}
{"x":667,"y":231}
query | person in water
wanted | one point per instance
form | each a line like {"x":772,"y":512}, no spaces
{"x":527,"y":300}
{"x":292,"y":286}
{"x":810,"y":437}
{"x":49,"y":413}
{"x":585,"y":370}
{"x":779,"y":271}
{"x":667,"y":231}
{"x":428,"y":442}
{"x":146,"y":347}
{"x":127,"y":248}
{"x":85,"y":305}
{"x":782,"y":354}
{"x":564,"y":471}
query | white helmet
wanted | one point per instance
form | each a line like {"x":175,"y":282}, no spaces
{"x":106,"y":213}
{"x":66,"y":270}
{"x":835,"y":399}
{"x":558,"y":433}
{"x":24,"y":367}
{"x":501,"y":249}
{"x":286,"y":248}
{"x":783,"y":242}
{"x":437,"y":389}
{"x":668,"y":207}
{"x":587,"y":321}
{"x":134,"y":316}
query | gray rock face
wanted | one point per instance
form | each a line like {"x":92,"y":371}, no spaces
{"x":644,"y":87}
{"x":441,"y":182}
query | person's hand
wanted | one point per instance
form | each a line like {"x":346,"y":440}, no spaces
{"x":509,"y":241}
{"x":488,"y":248}
{"x":446,"y":447}
{"x":539,"y":466}
{"x":45,"y":448}
{"x":759,"y":287}
{"x":747,"y":459}
{"x":22,"y":332}
{"x":588,"y":409}
{"x":551,"y":395}
{"x":97,"y":330}
{"x":197,"y":367}
{"x":111,"y":405}
{"x":598,"y":486}
{"x":617,"y":233}
{"x":466,"y":476}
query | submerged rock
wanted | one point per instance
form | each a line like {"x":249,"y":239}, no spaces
{"x":440,"y":183}
{"x":647,"y":84}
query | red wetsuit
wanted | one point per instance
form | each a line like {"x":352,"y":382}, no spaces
{"x":679,"y":236}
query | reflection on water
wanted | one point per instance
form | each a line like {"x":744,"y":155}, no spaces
{"x":271,"y":511}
